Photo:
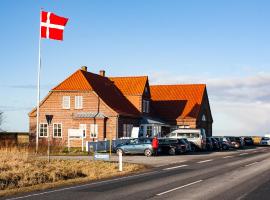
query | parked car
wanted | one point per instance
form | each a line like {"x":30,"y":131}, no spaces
{"x":265,"y":141}
{"x":236,"y":142}
{"x":209,"y":144}
{"x":136,"y":146}
{"x":216,"y":144}
{"x":172,"y":146}
{"x":248,"y":141}
{"x":194,"y":136}
{"x":189,"y":147}
{"x":224,"y":142}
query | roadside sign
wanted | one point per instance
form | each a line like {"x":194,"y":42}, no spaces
{"x":99,"y":156}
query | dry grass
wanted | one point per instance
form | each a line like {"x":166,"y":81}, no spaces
{"x":20,"y":171}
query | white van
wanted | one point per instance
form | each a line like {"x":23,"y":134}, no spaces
{"x":195,"y":136}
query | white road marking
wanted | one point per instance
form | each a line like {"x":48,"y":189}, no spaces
{"x":79,"y":186}
{"x":227,"y":156}
{"x":203,"y":161}
{"x":179,"y":187}
{"x":251,"y":164}
{"x":242,"y":154}
{"x":175,"y":167}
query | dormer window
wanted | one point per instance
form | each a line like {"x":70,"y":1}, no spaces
{"x":146,"y":106}
{"x":146,"y":90}
{"x":203,"y":118}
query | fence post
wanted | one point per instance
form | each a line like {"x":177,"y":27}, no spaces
{"x":120,"y":161}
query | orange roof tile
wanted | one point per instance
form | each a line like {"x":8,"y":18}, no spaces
{"x":105,"y":89}
{"x":177,"y":101}
{"x":76,"y":81}
{"x":133,"y":85}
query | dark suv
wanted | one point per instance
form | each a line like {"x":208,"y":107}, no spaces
{"x":224,"y":142}
{"x":172,"y":146}
{"x":248,"y":141}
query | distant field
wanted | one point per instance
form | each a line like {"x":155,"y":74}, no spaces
{"x":20,"y":172}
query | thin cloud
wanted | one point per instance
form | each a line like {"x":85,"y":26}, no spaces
{"x":29,"y":86}
{"x":240,"y":105}
{"x":14,"y":108}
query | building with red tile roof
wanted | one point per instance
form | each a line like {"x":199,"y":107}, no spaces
{"x":110,"y":107}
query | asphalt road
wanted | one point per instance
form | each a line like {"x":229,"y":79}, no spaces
{"x":241,"y":175}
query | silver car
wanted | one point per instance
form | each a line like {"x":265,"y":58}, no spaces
{"x":136,"y":146}
{"x":265,"y":141}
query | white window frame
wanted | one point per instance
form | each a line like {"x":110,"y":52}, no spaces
{"x":43,"y":128}
{"x":127,"y":130}
{"x":57,"y":130}
{"x":78,"y":102}
{"x":83,"y":127}
{"x":93,"y":130}
{"x":150,"y":127}
{"x":66,"y":99}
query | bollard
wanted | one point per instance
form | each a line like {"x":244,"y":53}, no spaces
{"x":120,"y":161}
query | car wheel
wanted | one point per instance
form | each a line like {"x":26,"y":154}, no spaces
{"x":147,"y":152}
{"x":118,"y":151}
{"x":225,"y":147}
{"x":172,"y":151}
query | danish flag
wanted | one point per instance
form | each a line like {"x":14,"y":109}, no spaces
{"x":52,"y":26}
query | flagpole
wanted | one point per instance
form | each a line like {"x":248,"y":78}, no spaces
{"x":38,"y":83}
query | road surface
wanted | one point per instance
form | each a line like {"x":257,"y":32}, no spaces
{"x":241,"y":175}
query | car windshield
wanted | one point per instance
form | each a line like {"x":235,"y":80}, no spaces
{"x":265,"y":138}
{"x":134,"y":141}
{"x":172,"y":134}
{"x":188,"y":135}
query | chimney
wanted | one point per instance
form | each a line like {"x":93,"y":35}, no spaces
{"x":84,"y":68}
{"x":102,"y":72}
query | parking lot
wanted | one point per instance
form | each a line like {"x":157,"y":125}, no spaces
{"x":163,"y":160}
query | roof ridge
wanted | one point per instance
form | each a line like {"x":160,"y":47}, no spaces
{"x":128,"y":76}
{"x":202,"y":84}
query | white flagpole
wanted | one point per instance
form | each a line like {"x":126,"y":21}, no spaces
{"x":38,"y":83}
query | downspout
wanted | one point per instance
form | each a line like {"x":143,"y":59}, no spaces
{"x":117,"y":119}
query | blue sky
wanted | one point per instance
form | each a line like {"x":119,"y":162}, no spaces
{"x":225,"y":44}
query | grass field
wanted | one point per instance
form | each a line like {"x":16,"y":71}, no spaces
{"x":21,"y":171}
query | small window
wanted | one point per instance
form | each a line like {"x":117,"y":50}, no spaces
{"x":203,"y":118}
{"x":57,"y":130}
{"x":93,"y":130}
{"x":43,"y":130}
{"x":127,"y":129}
{"x":149,"y":131}
{"x":83,"y":127}
{"x":146,"y":90}
{"x":66,"y":102}
{"x":146,"y":106}
{"x":78,"y":102}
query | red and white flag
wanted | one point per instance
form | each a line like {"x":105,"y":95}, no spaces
{"x":52,"y":26}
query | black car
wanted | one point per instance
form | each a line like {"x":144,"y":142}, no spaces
{"x":236,"y":142}
{"x":224,"y":142}
{"x":171,"y":146}
{"x":248,"y":141}
{"x":209,"y":144}
{"x":216,"y":144}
